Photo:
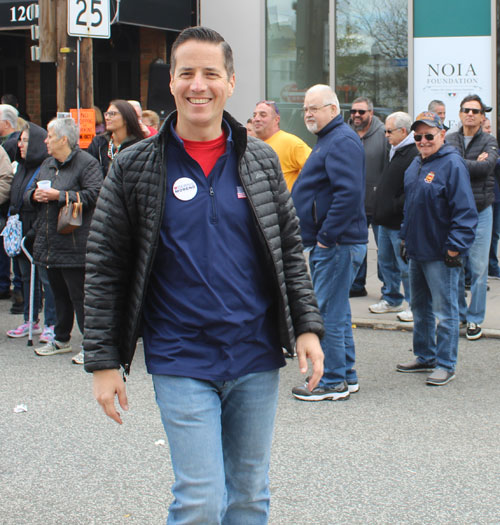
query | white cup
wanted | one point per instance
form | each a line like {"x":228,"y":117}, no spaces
{"x":44,"y":184}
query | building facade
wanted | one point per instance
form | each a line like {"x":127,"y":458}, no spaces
{"x":281,"y":47}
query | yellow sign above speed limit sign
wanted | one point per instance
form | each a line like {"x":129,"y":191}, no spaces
{"x":89,"y":18}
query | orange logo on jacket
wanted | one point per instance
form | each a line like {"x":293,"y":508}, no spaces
{"x":430,"y":177}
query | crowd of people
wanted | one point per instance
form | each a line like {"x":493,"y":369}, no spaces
{"x":41,"y":171}
{"x":389,"y":150}
{"x":227,"y":247}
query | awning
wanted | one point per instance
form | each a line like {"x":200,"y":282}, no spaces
{"x":162,"y":14}
{"x":15,"y":14}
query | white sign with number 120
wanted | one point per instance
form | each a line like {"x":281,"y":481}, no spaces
{"x":89,"y":18}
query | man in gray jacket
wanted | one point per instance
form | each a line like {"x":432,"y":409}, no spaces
{"x":480,"y":152}
{"x":196,"y":246}
{"x":371,"y":131}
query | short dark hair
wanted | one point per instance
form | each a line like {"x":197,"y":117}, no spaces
{"x":129,"y":116}
{"x":366,"y":100}
{"x":475,"y":98}
{"x":203,"y":34}
{"x":10,"y":99}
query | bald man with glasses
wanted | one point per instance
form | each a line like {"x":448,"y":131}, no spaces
{"x":329,"y":199}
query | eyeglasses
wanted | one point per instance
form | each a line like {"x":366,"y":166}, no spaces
{"x":111,"y":113}
{"x":428,"y":136}
{"x":475,"y":111}
{"x":270,"y":103}
{"x":360,"y":111}
{"x":389,"y":131}
{"x":314,"y":109}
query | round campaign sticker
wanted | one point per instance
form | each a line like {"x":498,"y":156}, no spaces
{"x":185,"y":189}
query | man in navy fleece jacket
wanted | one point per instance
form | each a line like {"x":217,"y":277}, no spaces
{"x":329,"y":198}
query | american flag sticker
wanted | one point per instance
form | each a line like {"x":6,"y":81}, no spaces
{"x":240,"y":192}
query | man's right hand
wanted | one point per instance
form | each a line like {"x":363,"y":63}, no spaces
{"x":107,"y":384}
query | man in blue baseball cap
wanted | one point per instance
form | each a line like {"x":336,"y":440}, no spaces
{"x":438,"y":229}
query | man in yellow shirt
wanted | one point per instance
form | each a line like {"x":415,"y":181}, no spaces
{"x":291,"y":150}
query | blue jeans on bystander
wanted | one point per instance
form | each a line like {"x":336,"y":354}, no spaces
{"x":392,"y":268}
{"x":434,"y":289}
{"x":478,"y":264}
{"x":333,"y":271}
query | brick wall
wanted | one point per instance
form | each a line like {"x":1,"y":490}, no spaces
{"x":153,"y":46}
{"x":32,"y":75}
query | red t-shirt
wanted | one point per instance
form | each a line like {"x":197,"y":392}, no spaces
{"x":206,"y":153}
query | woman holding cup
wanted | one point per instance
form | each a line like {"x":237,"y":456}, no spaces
{"x":68,"y":174}
{"x":30,"y":155}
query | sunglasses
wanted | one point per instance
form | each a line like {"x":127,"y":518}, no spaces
{"x":469,"y":110}
{"x":360,"y":111}
{"x":428,"y":136}
{"x":270,"y":103}
{"x":389,"y":131}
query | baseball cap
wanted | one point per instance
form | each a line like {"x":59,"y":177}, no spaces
{"x":429,"y":118}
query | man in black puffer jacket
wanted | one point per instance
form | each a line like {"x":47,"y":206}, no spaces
{"x":480,"y":152}
{"x":195,"y":244}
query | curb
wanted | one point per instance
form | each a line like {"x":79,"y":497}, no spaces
{"x":383,"y":324}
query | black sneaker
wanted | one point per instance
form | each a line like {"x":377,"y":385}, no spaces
{"x":5,"y":294}
{"x":414,"y":366}
{"x":358,"y":293}
{"x":336,"y":393}
{"x":473,"y":332}
{"x":440,"y":377}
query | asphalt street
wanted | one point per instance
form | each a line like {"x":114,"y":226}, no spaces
{"x":396,"y":452}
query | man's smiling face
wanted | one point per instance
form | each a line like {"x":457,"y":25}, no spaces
{"x":200,"y":86}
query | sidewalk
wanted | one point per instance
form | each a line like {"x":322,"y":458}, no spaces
{"x":361,"y":316}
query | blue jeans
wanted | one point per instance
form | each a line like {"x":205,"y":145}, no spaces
{"x":360,"y":278}
{"x":333,"y":271}
{"x":220,"y":435}
{"x":392,"y":267}
{"x":434,"y":289}
{"x":493,"y":268}
{"x":478,"y":264}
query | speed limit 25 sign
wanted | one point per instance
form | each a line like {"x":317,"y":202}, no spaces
{"x":89,"y":18}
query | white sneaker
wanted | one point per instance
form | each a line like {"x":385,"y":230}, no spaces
{"x":78,"y":358}
{"x":53,"y":348}
{"x":405,"y":316}
{"x":384,"y":307}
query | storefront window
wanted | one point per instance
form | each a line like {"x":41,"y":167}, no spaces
{"x":297,"y":56}
{"x":371,"y":53}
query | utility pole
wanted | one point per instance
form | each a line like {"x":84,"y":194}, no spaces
{"x":57,"y":46}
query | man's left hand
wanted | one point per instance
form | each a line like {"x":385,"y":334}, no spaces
{"x":309,"y":347}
